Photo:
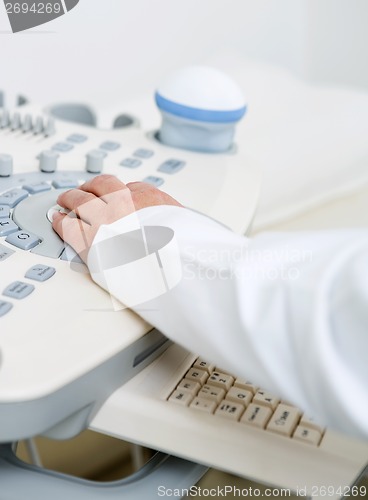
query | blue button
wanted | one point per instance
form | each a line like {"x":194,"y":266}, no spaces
{"x":64,"y":183}
{"x":131,"y":163}
{"x":40,"y":272}
{"x":18,"y":290}
{"x":155,"y":181}
{"x":171,"y":166}
{"x":110,"y":146}
{"x":7,"y":226}
{"x":143,"y":153}
{"x":5,"y":252}
{"x":23,"y":240}
{"x":37,"y":187}
{"x":5,"y":307}
{"x":4,"y":212}
{"x":62,"y":147}
{"x":13,"y":197}
{"x":77,"y":138}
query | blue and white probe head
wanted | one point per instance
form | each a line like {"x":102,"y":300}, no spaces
{"x":200,"y":106}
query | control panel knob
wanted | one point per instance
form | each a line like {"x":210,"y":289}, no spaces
{"x":48,"y":161}
{"x":200,"y":107}
{"x":38,"y":126}
{"x":95,"y":162}
{"x":27,"y":124}
{"x":5,"y":119}
{"x":6,"y":165}
{"x":15,"y":122}
{"x":50,"y":128}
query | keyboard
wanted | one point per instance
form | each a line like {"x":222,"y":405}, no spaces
{"x":209,"y":389}
{"x":183,"y":405}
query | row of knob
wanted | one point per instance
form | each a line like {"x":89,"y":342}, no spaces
{"x":26,"y":124}
{"x":48,"y":162}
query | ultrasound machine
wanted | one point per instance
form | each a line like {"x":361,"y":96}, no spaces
{"x":70,"y":361}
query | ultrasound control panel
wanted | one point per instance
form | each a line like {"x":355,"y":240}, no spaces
{"x":63,"y":346}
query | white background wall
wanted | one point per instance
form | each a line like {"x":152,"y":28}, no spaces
{"x":105,"y":49}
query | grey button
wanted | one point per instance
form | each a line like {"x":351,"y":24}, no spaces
{"x":18,"y":290}
{"x":64,"y":183}
{"x":38,"y":187}
{"x":171,"y":166}
{"x":48,"y":161}
{"x":5,"y":307}
{"x":40,"y":272}
{"x":4,"y":212}
{"x":110,"y":146}
{"x":143,"y":153}
{"x":6,"y":165}
{"x":5,"y":252}
{"x":23,"y":240}
{"x":13,"y":197}
{"x":131,"y":163}
{"x":155,"y":181}
{"x":7,"y":227}
{"x":15,"y":122}
{"x":77,"y":138}
{"x":62,"y":147}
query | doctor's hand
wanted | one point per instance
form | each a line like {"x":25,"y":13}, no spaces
{"x":102,"y":200}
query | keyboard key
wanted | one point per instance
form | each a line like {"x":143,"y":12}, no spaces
{"x":240,"y":396}
{"x":284,"y":420}
{"x":131,"y":163}
{"x":265,"y":398}
{"x":205,"y":405}
{"x":64,"y":183}
{"x":256,"y":415}
{"x":189,"y":386}
{"x":143,"y":153}
{"x":202,"y":364}
{"x":155,"y":181}
{"x":37,"y":187}
{"x":77,"y":138}
{"x":197,"y":375}
{"x":245,"y":384}
{"x":62,"y":147}
{"x":309,"y":422}
{"x":23,"y":240}
{"x":5,"y":252}
{"x":230,"y":410}
{"x":5,"y":307}
{"x":40,"y":272}
{"x":7,"y":226}
{"x":4,"y":212}
{"x":307,"y":435}
{"x":18,"y":290}
{"x":110,"y":146}
{"x":171,"y":166}
{"x":13,"y":197}
{"x":181,"y":397}
{"x":221,"y":380}
{"x":210,"y":392}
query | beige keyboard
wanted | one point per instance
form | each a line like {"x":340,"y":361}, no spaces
{"x":209,"y":389}
{"x":182,"y":405}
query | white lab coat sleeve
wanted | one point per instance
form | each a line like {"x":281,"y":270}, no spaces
{"x":286,"y":311}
